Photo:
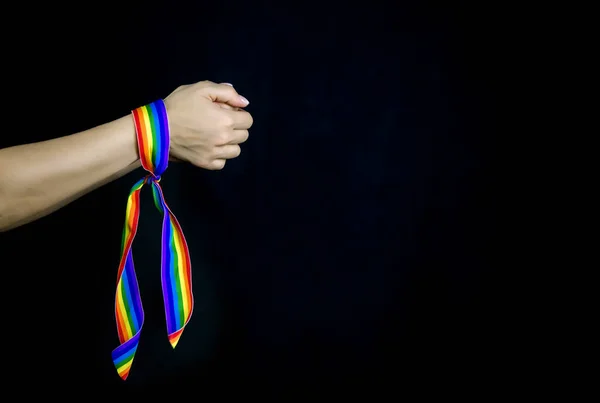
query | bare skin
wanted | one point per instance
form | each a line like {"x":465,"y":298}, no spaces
{"x":207,"y":127}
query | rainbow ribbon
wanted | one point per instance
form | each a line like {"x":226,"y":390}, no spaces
{"x":152,"y":128}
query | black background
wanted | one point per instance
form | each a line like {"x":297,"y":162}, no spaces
{"x":351,"y":243}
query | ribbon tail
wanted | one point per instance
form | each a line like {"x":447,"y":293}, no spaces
{"x":129,"y":313}
{"x":176,"y":271}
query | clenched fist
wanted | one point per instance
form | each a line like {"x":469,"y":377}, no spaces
{"x":207,"y":123}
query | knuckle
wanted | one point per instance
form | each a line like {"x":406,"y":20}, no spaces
{"x":223,"y":137}
{"x":217,"y":165}
{"x":214,"y":153}
{"x":227,"y":121}
{"x":200,"y":162}
{"x":203,"y":160}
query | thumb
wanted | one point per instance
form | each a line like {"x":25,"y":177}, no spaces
{"x":226,"y":94}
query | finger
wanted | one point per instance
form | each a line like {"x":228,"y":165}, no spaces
{"x":216,"y":165}
{"x":242,"y":120}
{"x":239,"y":137}
{"x":227,"y":95}
{"x":225,"y":106}
{"x":228,"y":151}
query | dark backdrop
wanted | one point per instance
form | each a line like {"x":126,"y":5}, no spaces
{"x":350,"y":243}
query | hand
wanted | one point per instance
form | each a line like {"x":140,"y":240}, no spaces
{"x":207,"y":124}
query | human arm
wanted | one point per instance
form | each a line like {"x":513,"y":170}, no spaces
{"x":39,"y":178}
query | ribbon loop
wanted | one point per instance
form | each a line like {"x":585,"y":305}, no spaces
{"x":152,"y":129}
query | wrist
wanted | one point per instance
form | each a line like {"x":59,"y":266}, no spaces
{"x":153,"y":137}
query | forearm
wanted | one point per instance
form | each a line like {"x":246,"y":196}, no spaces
{"x":37,"y":179}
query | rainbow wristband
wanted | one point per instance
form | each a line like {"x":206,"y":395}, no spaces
{"x":152,"y":128}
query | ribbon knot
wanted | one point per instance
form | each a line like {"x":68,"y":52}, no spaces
{"x":152,"y":129}
{"x":153,"y":178}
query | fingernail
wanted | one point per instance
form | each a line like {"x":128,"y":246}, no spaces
{"x":231,"y":85}
{"x":244,"y":100}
